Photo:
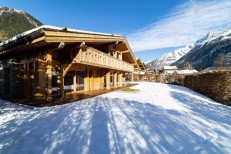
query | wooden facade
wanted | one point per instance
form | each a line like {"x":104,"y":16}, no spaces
{"x":48,"y":62}
{"x":140,"y":72}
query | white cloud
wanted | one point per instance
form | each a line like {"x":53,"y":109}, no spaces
{"x":184,"y":25}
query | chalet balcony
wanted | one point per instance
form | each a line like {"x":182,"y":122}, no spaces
{"x":97,"y":58}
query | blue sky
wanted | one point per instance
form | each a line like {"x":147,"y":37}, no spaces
{"x":152,"y":27}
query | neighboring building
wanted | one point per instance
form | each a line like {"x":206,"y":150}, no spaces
{"x":165,"y":72}
{"x":150,"y":75}
{"x":186,"y":72}
{"x":169,"y":69}
{"x":178,"y":76}
{"x":142,"y":73}
{"x":49,"y":61}
{"x":139,"y":74}
{"x":171,"y":74}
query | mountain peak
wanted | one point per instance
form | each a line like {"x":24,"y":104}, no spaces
{"x":13,"y":22}
{"x":206,"y":50}
{"x":169,"y":58}
{"x":207,"y":38}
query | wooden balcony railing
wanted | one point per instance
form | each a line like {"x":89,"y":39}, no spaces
{"x":97,"y":58}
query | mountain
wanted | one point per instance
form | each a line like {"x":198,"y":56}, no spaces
{"x":206,"y":50}
{"x":209,"y":37}
{"x":169,"y":58}
{"x":151,"y":64}
{"x":13,"y":22}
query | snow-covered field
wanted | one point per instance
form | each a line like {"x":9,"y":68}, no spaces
{"x":158,"y":118}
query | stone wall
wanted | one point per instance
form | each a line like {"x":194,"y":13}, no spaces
{"x":216,"y":85}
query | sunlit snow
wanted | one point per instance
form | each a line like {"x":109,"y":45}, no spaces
{"x":158,"y":118}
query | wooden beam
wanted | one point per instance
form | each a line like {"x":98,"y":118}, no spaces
{"x":74,"y":82}
{"x":60,"y":81}
{"x":125,"y":51}
{"x":86,"y":80}
{"x":49,"y":75}
{"x":82,"y":35}
{"x":69,"y":65}
{"x":120,"y":79}
{"x":132,"y":75}
{"x":66,"y":68}
{"x":115,"y":79}
{"x":79,"y":39}
{"x":108,"y":75}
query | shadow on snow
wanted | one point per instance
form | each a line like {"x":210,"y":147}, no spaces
{"x":103,"y":125}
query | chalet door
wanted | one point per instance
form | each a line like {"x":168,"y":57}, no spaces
{"x":26,"y":85}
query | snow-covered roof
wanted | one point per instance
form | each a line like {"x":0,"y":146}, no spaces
{"x":186,"y":72}
{"x":170,"y":68}
{"x":47,"y":27}
{"x":169,"y":71}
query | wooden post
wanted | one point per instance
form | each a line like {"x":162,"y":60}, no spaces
{"x":120,"y":79}
{"x":132,"y":77}
{"x":40,"y":89}
{"x":108,"y":86}
{"x":120,"y":56}
{"x":115,"y":54}
{"x":74,"y":82}
{"x":60,"y":81}
{"x":49,"y":75}
{"x":123,"y":77}
{"x":25,"y":79}
{"x":115,"y":79}
{"x":91,"y":80}
{"x":86,"y":80}
{"x":62,"y":86}
{"x":102,"y":80}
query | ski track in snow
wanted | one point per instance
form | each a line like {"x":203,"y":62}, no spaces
{"x":159,"y":118}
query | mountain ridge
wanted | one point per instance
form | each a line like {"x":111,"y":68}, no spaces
{"x":168,"y":58}
{"x":206,"y":50}
{"x":13,"y":22}
{"x":201,"y":55}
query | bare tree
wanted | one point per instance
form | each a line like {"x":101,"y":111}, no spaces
{"x":221,"y":60}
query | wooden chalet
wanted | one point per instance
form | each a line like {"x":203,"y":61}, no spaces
{"x":140,"y":71}
{"x":141,"y":65}
{"x":49,"y":61}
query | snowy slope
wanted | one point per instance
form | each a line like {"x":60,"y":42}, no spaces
{"x":213,"y":37}
{"x":207,"y":38}
{"x":158,"y":118}
{"x":206,"y":50}
{"x":169,"y":58}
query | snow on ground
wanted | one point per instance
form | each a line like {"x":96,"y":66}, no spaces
{"x":158,"y":118}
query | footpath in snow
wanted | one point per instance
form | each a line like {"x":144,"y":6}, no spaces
{"x":158,"y":118}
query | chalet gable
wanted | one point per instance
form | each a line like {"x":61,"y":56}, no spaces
{"x":55,"y":38}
